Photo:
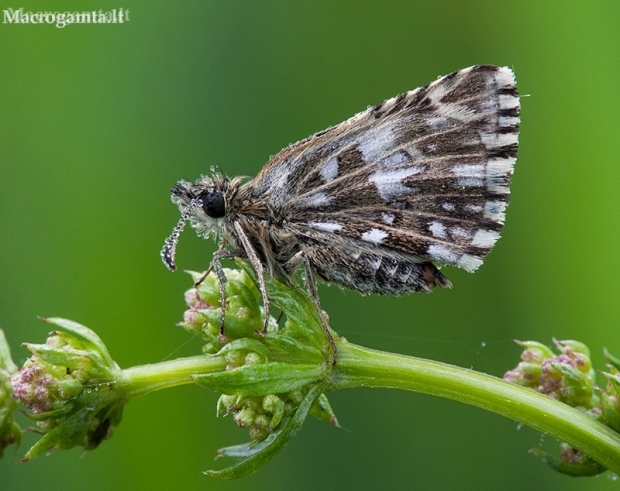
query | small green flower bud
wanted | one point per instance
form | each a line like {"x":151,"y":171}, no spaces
{"x":235,"y":358}
{"x":570,"y":345}
{"x":525,"y":374}
{"x":193,"y":321}
{"x":262,"y":421}
{"x":195,"y":301}
{"x":252,"y":358}
{"x":245,"y":417}
{"x":225,"y":403}
{"x":528,"y":372}
{"x":296,"y":397}
{"x":258,"y":434}
{"x":254,"y":403}
{"x":208,"y":290}
{"x":534,"y":351}
{"x":273,"y":405}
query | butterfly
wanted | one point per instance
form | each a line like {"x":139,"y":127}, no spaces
{"x":376,"y":203}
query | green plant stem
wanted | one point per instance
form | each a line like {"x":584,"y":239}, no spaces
{"x":363,"y":367}
{"x":143,"y":379}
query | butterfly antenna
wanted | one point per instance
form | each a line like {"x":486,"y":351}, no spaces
{"x":170,"y":245}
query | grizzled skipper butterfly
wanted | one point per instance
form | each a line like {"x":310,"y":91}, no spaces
{"x":374,"y":203}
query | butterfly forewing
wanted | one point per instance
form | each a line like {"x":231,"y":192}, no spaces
{"x":424,"y":174}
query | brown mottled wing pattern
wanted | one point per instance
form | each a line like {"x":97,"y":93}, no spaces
{"x":418,"y":179}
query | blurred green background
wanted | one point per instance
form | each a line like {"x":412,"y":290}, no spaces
{"x":97,"y":123}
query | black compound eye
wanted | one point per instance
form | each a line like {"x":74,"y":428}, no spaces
{"x":213,"y":204}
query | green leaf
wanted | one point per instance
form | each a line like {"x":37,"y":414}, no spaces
{"x":85,"y":333}
{"x":295,"y":302}
{"x":245,"y":450}
{"x":61,"y":436}
{"x":10,"y":432}
{"x":246,"y":344}
{"x":260,"y":380}
{"x":7,"y":367}
{"x":611,"y":359}
{"x":73,"y":359}
{"x":322,"y":410}
{"x":290,"y":350}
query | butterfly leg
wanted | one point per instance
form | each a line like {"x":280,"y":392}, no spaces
{"x":203,"y":277}
{"x":208,"y":271}
{"x":216,"y":264}
{"x":314,"y":294}
{"x":258,"y":267}
{"x":297,"y":261}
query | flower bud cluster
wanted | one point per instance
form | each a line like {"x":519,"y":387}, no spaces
{"x":267,"y":375}
{"x":261,"y":415}
{"x":243,"y":311}
{"x":42,"y":386}
{"x":68,"y":385}
{"x":567,"y":376}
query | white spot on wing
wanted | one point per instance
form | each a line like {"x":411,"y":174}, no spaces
{"x":325,"y":226}
{"x":505,"y":77}
{"x":494,"y":210}
{"x":389,"y":183}
{"x":316,"y":199}
{"x":469,"y":170}
{"x":469,"y":263}
{"x":441,"y":254}
{"x":485,"y":238}
{"x":404,"y":276}
{"x":494,"y":140}
{"x":377,"y":143}
{"x":508,"y":121}
{"x":396,"y":159}
{"x":473,"y":182}
{"x":375,"y":236}
{"x":439,"y":122}
{"x":455,"y":111}
{"x":499,"y":168}
{"x":437,"y":229}
{"x":469,"y":175}
{"x":448,"y":206}
{"x":388,"y":218}
{"x":498,"y":171}
{"x":391,"y":270}
{"x":508,"y":101}
{"x":330,"y":170}
{"x":459,"y":232}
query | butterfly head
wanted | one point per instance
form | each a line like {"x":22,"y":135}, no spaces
{"x":204,"y":204}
